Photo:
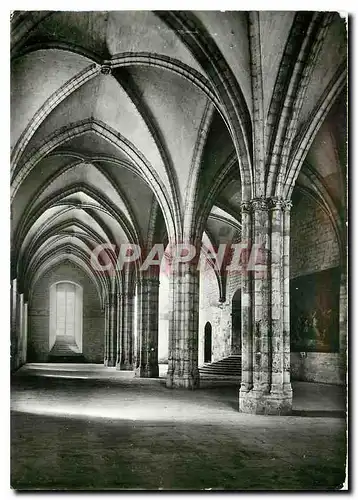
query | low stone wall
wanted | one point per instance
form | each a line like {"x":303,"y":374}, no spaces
{"x":326,"y":368}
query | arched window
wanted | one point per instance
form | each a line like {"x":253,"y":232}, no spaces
{"x":207,"y":343}
{"x":65,"y":336}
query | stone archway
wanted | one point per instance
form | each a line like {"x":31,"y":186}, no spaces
{"x":65,"y":329}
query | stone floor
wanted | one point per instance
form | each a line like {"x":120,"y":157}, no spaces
{"x":85,"y":427}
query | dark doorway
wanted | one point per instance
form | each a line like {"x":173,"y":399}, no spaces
{"x":207,"y":343}
{"x":236,"y":323}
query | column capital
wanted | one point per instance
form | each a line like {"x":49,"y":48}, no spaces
{"x":287,"y":205}
{"x":266,"y":204}
{"x":260,"y":204}
{"x":276,"y":203}
{"x":246,"y":206}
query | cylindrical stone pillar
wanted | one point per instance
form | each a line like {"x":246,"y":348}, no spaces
{"x":119,"y":326}
{"x":246,"y":304}
{"x":287,"y":388}
{"x":127,"y":331}
{"x":343,"y":325}
{"x":183,"y":328}
{"x":147,"y":327}
{"x":343,"y":312}
{"x":13,"y":305}
{"x":261,"y":297}
{"x":24,"y":352}
{"x":20,"y":330}
{"x":111,"y":323}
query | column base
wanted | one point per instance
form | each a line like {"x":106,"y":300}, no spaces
{"x":147,"y":371}
{"x":109,"y":363}
{"x":271,"y":403}
{"x":124,"y":366}
{"x":183,"y":381}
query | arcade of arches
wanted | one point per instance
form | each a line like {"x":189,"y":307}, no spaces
{"x":206,"y":128}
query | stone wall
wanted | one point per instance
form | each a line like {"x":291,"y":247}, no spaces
{"x":313,"y":245}
{"x":39,"y":315}
{"x":314,"y":248}
{"x":328,"y":368}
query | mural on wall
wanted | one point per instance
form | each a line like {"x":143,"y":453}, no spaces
{"x":314,"y":304}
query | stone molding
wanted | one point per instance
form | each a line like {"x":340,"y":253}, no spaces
{"x":266,"y":204}
{"x":106,"y":69}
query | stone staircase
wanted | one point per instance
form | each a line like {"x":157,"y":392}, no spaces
{"x":65,"y":350}
{"x":226,"y":368}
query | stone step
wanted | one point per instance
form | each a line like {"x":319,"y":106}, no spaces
{"x":64,"y":346}
{"x":73,"y":358}
{"x":226,"y":367}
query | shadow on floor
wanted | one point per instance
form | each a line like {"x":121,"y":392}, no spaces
{"x":67,"y":453}
{"x":319,"y":413}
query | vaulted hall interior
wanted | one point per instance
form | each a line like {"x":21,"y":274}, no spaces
{"x":178,"y":249}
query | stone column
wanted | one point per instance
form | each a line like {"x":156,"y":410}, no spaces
{"x":266,"y":387}
{"x":138,"y":344}
{"x":246,"y":306}
{"x":225,"y":325}
{"x":261,"y":299}
{"x":16,"y":325}
{"x":118,"y":343}
{"x":343,"y":313}
{"x":147,"y":326}
{"x":287,"y":388}
{"x":111,"y":329}
{"x":127,"y":331}
{"x":24,"y":352}
{"x":183,"y":327}
{"x":105,"y":333}
{"x":343,"y":326}
{"x":13,"y":306}
{"x":20,"y":330}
